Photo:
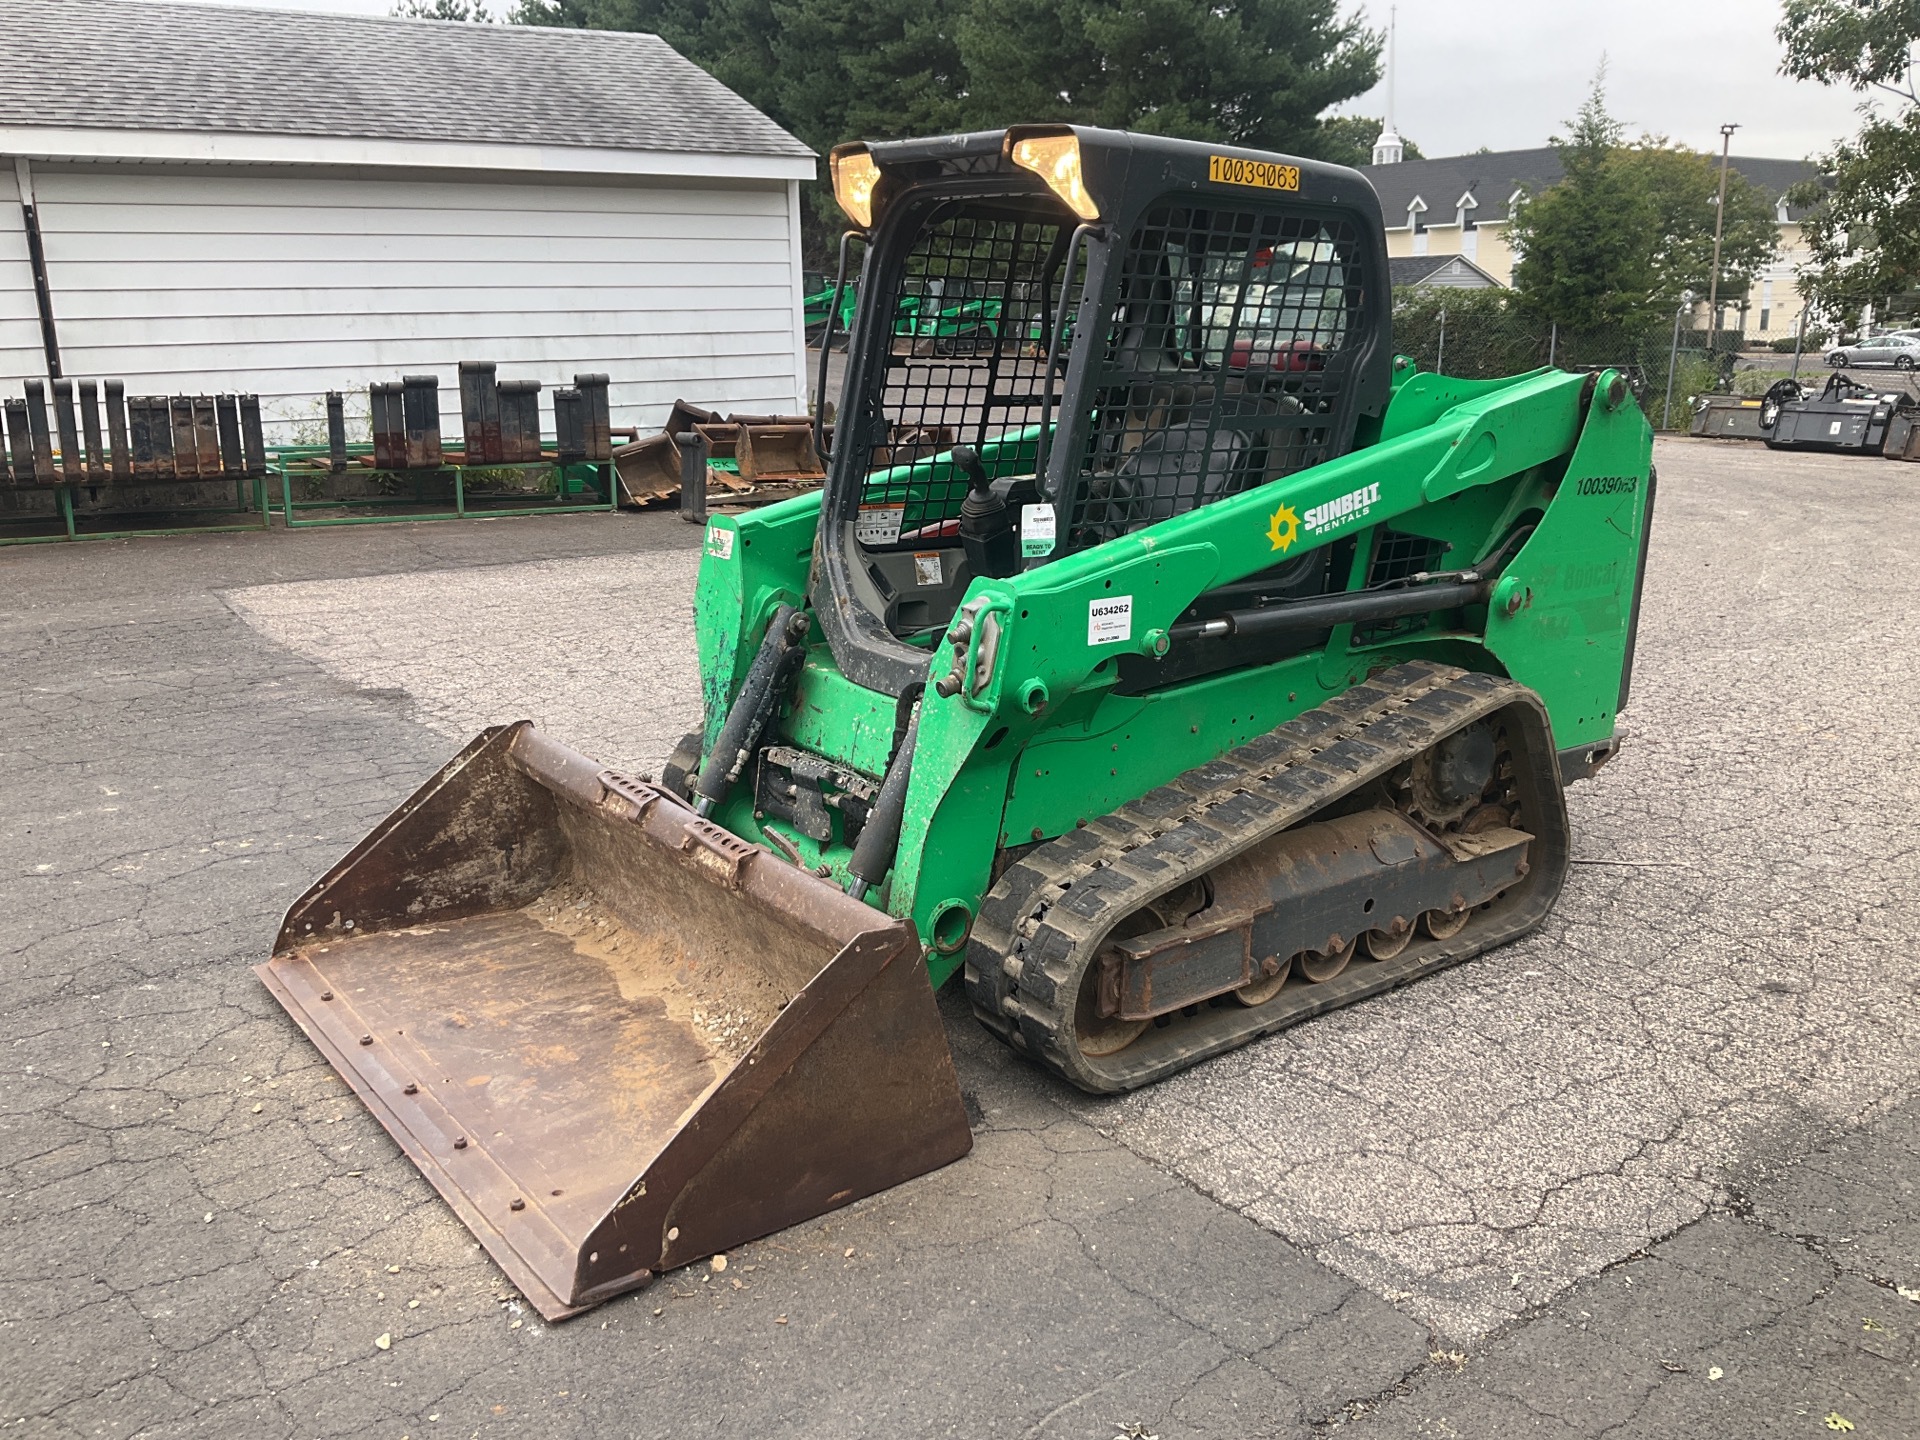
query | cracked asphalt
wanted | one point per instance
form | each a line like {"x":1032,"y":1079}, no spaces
{"x":1651,"y":1172}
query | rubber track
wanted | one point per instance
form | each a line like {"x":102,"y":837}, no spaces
{"x":1043,"y":920}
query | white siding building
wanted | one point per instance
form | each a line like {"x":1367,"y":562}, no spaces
{"x":289,"y":203}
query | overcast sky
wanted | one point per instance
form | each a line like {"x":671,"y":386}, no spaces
{"x":1505,"y":74}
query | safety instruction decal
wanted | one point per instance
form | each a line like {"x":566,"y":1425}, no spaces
{"x":878,"y":524}
{"x":1110,"y":620}
{"x":719,"y":542}
{"x":927,"y":568}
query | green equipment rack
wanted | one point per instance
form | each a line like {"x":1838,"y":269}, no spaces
{"x":579,"y":486}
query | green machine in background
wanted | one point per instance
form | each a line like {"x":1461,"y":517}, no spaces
{"x":1169,"y":663}
{"x":967,"y":326}
{"x":823,"y":299}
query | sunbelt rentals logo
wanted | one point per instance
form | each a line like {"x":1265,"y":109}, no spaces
{"x":1353,"y":505}
{"x":1284,"y":528}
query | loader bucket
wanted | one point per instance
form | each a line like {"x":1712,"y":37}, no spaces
{"x":614,"y":1036}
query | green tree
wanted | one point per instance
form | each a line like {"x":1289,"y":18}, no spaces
{"x":1477,"y":334}
{"x":1585,"y":243}
{"x":1252,"y":72}
{"x":473,"y":11}
{"x":1863,"y":44}
{"x":824,"y":69}
{"x":1863,"y":232}
{"x":1683,"y":187}
{"x":1629,"y":228}
{"x":1348,"y":140}
{"x":1249,"y":72}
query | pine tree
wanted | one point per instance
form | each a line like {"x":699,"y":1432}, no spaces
{"x":1250,"y":72}
{"x":1586,"y":258}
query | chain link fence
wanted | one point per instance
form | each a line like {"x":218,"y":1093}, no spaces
{"x":1482,"y":334}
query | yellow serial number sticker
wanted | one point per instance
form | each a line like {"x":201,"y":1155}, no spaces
{"x":1262,"y":175}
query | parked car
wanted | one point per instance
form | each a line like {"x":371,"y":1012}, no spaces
{"x":1902,"y":352}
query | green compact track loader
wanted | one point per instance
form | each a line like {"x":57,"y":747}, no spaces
{"x":1170,"y":664}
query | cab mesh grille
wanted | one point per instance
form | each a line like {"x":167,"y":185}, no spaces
{"x":968,"y":351}
{"x":1228,"y":358}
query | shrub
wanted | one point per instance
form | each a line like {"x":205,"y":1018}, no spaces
{"x":1815,"y":342}
{"x":1751,"y":384}
{"x":1485,"y":337}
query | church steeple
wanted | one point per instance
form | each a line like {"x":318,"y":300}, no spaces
{"x":1389,"y":149}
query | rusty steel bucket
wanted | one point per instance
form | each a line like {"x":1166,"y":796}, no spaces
{"x":615,"y":1037}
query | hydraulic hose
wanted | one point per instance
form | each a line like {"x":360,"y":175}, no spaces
{"x":879,"y":838}
{"x":1323,"y":611}
{"x":779,"y":656}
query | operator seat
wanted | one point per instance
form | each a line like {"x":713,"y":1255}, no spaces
{"x":1159,"y":451}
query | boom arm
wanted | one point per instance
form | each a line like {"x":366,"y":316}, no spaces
{"x":1048,"y":642}
{"x":1546,"y":475}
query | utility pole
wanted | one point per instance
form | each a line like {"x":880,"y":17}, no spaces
{"x":1719,"y":219}
{"x":1673,"y":358}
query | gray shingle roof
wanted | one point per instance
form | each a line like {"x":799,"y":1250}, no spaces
{"x":122,"y":65}
{"x":1492,"y":178}
{"x":1404,"y":270}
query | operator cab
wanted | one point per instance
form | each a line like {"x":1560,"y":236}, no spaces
{"x":1067,"y":335}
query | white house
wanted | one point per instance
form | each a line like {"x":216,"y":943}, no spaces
{"x":216,"y":199}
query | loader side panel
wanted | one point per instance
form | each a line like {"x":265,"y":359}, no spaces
{"x":749,"y":566}
{"x":1563,"y":614}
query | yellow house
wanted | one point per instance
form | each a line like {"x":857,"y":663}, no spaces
{"x":1460,"y":205}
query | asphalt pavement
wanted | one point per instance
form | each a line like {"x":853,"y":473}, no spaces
{"x":1650,"y":1172}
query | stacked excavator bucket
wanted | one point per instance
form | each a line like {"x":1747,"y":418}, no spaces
{"x":614,"y":1036}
